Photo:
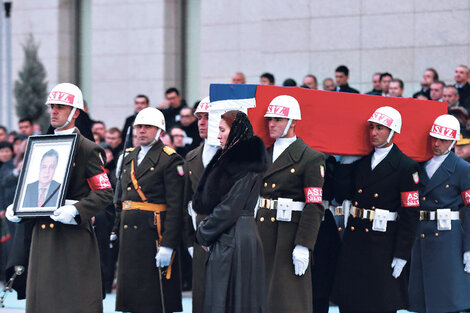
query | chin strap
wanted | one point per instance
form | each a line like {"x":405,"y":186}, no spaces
{"x":388,"y":139}
{"x":69,"y":119}
{"x":451,"y":146}
{"x":289,"y":122}
{"x":157,"y":137}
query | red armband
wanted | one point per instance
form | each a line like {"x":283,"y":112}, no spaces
{"x":98,"y":182}
{"x":466,"y":197}
{"x":313,"y":194}
{"x":409,"y":199}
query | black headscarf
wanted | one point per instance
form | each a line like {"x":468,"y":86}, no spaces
{"x":241,"y":130}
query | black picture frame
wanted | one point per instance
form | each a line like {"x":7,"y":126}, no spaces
{"x":45,"y":174}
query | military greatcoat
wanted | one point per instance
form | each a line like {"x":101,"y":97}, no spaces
{"x":438,"y":282}
{"x":160,"y":177}
{"x":193,"y":169}
{"x":296,"y":171}
{"x":64,"y":266}
{"x":364,"y":281}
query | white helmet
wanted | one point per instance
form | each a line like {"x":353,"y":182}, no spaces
{"x":284,"y":107}
{"x":387,"y":116}
{"x":66,"y":94}
{"x":203,"y":106}
{"x":446,"y":127}
{"x":150,"y":116}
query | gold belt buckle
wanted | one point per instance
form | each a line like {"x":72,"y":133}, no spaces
{"x":127,"y":205}
{"x":339,"y":210}
{"x":424,"y":215}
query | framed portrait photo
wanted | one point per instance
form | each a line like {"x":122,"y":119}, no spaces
{"x":45,"y":174}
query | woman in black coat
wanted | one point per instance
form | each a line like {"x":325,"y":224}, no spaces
{"x":228,"y":193}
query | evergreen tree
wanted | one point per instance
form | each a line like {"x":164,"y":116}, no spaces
{"x":31,"y":87}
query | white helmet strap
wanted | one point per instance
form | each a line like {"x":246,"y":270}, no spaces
{"x":451,"y":146}
{"x":69,"y":119}
{"x":157,"y":137}
{"x":388,"y":139}
{"x":289,"y":122}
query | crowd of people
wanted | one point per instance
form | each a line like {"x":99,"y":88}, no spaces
{"x":184,"y":209}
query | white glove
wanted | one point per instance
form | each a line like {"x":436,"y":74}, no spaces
{"x":113,"y":237}
{"x":10,"y":214}
{"x":65,"y":214}
{"x":466,"y":261}
{"x":191,"y":251}
{"x":349,"y":159}
{"x":163,"y":256}
{"x":300,"y":256}
{"x":398,"y":265}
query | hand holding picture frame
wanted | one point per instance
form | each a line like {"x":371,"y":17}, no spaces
{"x":45,"y":174}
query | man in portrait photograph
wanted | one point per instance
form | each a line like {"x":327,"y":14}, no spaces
{"x":44,"y":192}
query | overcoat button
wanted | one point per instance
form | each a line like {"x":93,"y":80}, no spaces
{"x":152,"y":169}
{"x":190,"y":172}
{"x":447,"y":186}
{"x":355,"y":203}
{"x":51,"y":225}
{"x":373,"y":208}
{"x":43,"y":226}
{"x":124,"y":170}
{"x":436,"y":234}
{"x":292,"y":170}
{"x":135,"y":227}
{"x":73,"y":164}
{"x":423,"y":198}
{"x":273,"y":219}
{"x":125,"y":226}
{"x":265,"y":184}
{"x":422,"y":235}
{"x":261,"y":219}
{"x":359,"y":191}
{"x":273,"y":185}
{"x":376,"y":195}
{"x":367,"y":230}
{"x":129,"y":188}
{"x":340,"y":228}
{"x":436,"y":201}
{"x":352,"y":228}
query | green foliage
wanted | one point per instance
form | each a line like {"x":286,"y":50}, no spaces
{"x":31,"y":87}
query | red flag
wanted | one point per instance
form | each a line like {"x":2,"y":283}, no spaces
{"x":336,"y":123}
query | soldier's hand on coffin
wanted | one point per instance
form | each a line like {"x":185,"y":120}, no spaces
{"x":65,"y":214}
{"x":466,"y":261}
{"x":300,"y":258}
{"x":163,"y":256}
{"x":10,"y":215}
{"x":397,"y":266}
{"x":191,"y":251}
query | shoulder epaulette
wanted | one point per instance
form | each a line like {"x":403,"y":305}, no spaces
{"x":169,"y":150}
{"x":130,"y":149}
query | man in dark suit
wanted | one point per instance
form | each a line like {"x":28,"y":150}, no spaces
{"x":430,"y":75}
{"x":461,"y":83}
{"x":383,"y":188}
{"x":140,"y":102}
{"x":342,"y":76}
{"x":44,"y":192}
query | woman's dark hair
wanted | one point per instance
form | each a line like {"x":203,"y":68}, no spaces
{"x":6,"y":144}
{"x":229,"y":117}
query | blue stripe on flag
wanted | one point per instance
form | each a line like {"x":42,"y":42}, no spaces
{"x":220,"y":92}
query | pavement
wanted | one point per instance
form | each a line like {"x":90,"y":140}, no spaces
{"x":12,"y":305}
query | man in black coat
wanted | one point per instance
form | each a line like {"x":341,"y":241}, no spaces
{"x":140,"y":102}
{"x":342,"y":76}
{"x":430,"y":75}
{"x":175,"y":104}
{"x":383,"y":188}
